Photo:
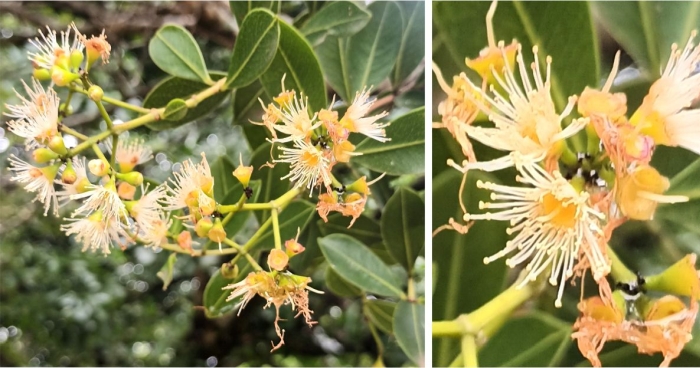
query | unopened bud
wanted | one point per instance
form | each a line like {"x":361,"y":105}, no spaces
{"x":243,"y":173}
{"x":680,"y":279}
{"x":207,"y":205}
{"x":133,"y":178}
{"x":42,"y":74}
{"x":62,"y":77}
{"x":95,"y":93}
{"x":360,"y":186}
{"x":98,"y":167}
{"x":44,"y":155}
{"x":277,"y":260}
{"x":202,"y":227}
{"x":56,"y":144}
{"x":68,"y":109}
{"x":69,"y":176}
{"x":229,"y":271}
{"x":76,"y":58}
{"x":217,"y":232}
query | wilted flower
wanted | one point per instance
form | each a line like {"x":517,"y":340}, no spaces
{"x":37,"y":180}
{"x":639,"y":192}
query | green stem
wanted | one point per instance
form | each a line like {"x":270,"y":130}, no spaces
{"x":469,"y":351}
{"x":100,"y":155}
{"x":502,"y":304}
{"x":115,"y":102}
{"x":618,"y":270}
{"x":73,"y":132}
{"x":411,"y":289}
{"x":448,"y":329}
{"x":276,"y":228}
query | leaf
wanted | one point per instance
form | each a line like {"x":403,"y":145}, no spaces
{"x":256,"y":46}
{"x":381,"y":314}
{"x":312,"y":256}
{"x":214,"y":298}
{"x":574,"y":49}
{"x":365,"y":229}
{"x":338,"y":286}
{"x":241,"y":8}
{"x":366,"y":58}
{"x":175,"y":110}
{"x":686,"y":182}
{"x":339,"y":18}
{"x":404,"y":154}
{"x":647,"y":29}
{"x":358,"y":265}
{"x":295,"y":216}
{"x":245,"y":104}
{"x":534,"y":340}
{"x":166,"y":272}
{"x":171,"y":88}
{"x":463,"y":282}
{"x":403,"y":226}
{"x":409,"y":329}
{"x":222,"y":172}
{"x":296,"y":59}
{"x":272,"y":185}
{"x":176,"y":52}
{"x":232,"y":197}
{"x":411,"y":51}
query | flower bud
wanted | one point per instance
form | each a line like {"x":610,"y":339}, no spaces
{"x":680,"y":279}
{"x":217,"y":232}
{"x":56,"y":144}
{"x":360,"y":186}
{"x":68,"y":109}
{"x":243,"y":173}
{"x":126,"y":191}
{"x":229,"y":271}
{"x":62,"y":77}
{"x":44,"y":155}
{"x":203,"y":226}
{"x":277,"y":260}
{"x":95,"y":93}
{"x":42,"y":74}
{"x":76,"y":58}
{"x":69,"y":176}
{"x":133,"y":178}
{"x":98,"y":167}
{"x":206,"y":205}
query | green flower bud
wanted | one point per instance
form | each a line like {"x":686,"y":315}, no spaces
{"x":203,"y":226}
{"x":98,"y":167}
{"x":217,"y":232}
{"x":680,"y":279}
{"x":76,"y":58}
{"x":229,"y":271}
{"x":44,"y":155}
{"x":62,"y":77}
{"x":134,"y":178}
{"x":56,"y":144}
{"x":42,"y":74}
{"x":69,"y":175}
{"x":95,"y":93}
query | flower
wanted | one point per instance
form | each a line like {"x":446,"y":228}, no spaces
{"x":130,"y":153}
{"x":192,"y":187}
{"x":102,"y":198}
{"x":95,"y":232}
{"x":525,"y":120}
{"x":639,"y":192}
{"x":277,"y":260}
{"x":96,"y":47}
{"x":664,"y":114}
{"x":309,"y":166}
{"x":79,"y":184}
{"x":147,"y":211}
{"x":50,"y":53}
{"x":554,"y":223}
{"x":37,"y":180}
{"x":278,"y":289}
{"x":243,"y":173}
{"x":36,"y":117}
{"x":355,"y":121}
{"x":457,"y":110}
{"x":296,"y":122}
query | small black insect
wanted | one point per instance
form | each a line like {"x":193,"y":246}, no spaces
{"x":248,"y":191}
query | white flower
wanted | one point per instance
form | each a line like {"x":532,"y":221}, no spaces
{"x":81,"y":180}
{"x":37,"y":180}
{"x":355,"y":121}
{"x":296,"y":122}
{"x":554,"y":223}
{"x":190,"y":186}
{"x":130,"y":153}
{"x":664,"y":113}
{"x":36,"y":117}
{"x":95,"y":232}
{"x":151,"y":222}
{"x":308,"y":165}
{"x":49,"y":49}
{"x":103,"y":199}
{"x":525,"y":120}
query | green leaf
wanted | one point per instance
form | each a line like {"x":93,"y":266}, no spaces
{"x":409,"y":329}
{"x":272,"y":185}
{"x":403,"y":226}
{"x":339,"y":18}
{"x":574,"y":49}
{"x":534,"y":340}
{"x":214,"y":298}
{"x":404,"y":154}
{"x":241,"y":8}
{"x":176,"y":52}
{"x":647,"y":29}
{"x":381,"y":314}
{"x":686,"y":214}
{"x":295,"y":216}
{"x":338,"y":286}
{"x":256,"y":46}
{"x":366,"y":58}
{"x":224,"y":181}
{"x":463,"y":282}
{"x":166,"y":272}
{"x":357,"y":264}
{"x":365,"y":229}
{"x":296,"y":59}
{"x":411,"y":51}
{"x":232,"y":197}
{"x":686,"y":182}
{"x":246,"y":106}
{"x":312,"y":255}
{"x":171,"y":88}
{"x":175,"y":110}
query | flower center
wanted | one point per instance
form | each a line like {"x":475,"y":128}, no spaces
{"x":310,"y":159}
{"x":561,"y":214}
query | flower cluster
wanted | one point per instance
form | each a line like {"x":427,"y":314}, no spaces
{"x":570,"y":202}
{"x":312,"y":144}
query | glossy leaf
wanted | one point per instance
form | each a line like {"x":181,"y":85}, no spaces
{"x":403,"y":226}
{"x":411,"y":51}
{"x":366,"y":58}
{"x":246,"y":106}
{"x":241,"y":8}
{"x":171,"y":88}
{"x":338,"y":18}
{"x":295,"y":216}
{"x":176,"y":52}
{"x":686,"y":182}
{"x":166,"y":272}
{"x":358,"y":265}
{"x":574,"y":50}
{"x":272,"y":185}
{"x":409,"y":329}
{"x":338,"y":286}
{"x":175,"y":110}
{"x":256,"y":46}
{"x":381,"y":314}
{"x":647,"y":29}
{"x":534,"y":340}
{"x":296,"y":59}
{"x":404,"y":154}
{"x":232,"y":197}
{"x":365,"y":229}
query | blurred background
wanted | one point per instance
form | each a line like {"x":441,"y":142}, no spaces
{"x":62,"y":307}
